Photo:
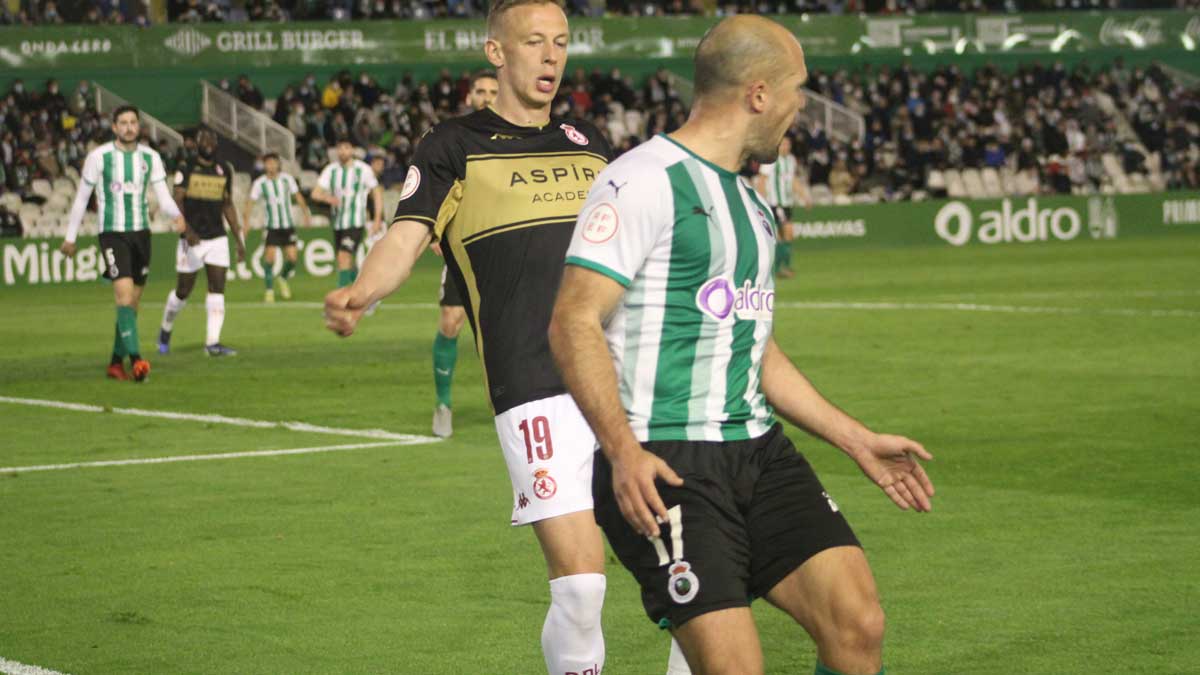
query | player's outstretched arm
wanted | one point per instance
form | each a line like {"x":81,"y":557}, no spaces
{"x":377,"y":198}
{"x":304,"y":208}
{"x":83,"y":194}
{"x":387,"y":266}
{"x":890,"y":461}
{"x":585,"y":300}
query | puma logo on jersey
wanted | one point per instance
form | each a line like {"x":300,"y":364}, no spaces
{"x":617,"y":188}
{"x":699,"y":211}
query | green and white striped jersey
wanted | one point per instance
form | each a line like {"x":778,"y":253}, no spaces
{"x":693,"y":244}
{"x":780,"y":181}
{"x":276,"y":194}
{"x":352,"y":185}
{"x":121,"y":181}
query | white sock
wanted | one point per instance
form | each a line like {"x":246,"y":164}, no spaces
{"x":172,"y":310}
{"x":572,"y":640}
{"x":677,"y":664}
{"x":215,"y":304}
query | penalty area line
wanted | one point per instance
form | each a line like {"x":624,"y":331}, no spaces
{"x":198,"y":458}
{"x":15,"y":668}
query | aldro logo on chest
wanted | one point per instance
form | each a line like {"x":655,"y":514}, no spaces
{"x":570,"y":183}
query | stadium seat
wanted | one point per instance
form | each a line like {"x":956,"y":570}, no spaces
{"x":64,"y":185}
{"x":57,"y":203}
{"x":992,"y":186}
{"x":71,"y":173}
{"x":41,"y":187}
{"x":1008,"y":183}
{"x":973,"y":183}
{"x":10,"y":201}
{"x":954,"y":184}
{"x":308,"y":179}
{"x":821,"y":195}
{"x":936,"y":180}
{"x":29,"y":213}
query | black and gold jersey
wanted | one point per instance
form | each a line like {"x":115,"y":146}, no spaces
{"x":503,"y":200}
{"x":205,"y":188}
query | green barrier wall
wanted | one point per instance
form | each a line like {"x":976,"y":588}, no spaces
{"x":142,"y":64}
{"x":38,"y":261}
{"x":984,"y":222}
{"x":1016,"y":221}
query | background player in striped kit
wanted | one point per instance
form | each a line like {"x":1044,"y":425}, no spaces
{"x":453,"y":317}
{"x":120,"y":172}
{"x":277,"y":189}
{"x":663,"y":333}
{"x":344,"y":186}
{"x":780,"y":183}
{"x":204,"y":185}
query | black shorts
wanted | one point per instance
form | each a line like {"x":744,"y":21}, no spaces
{"x":348,"y":239}
{"x":126,"y":254}
{"x":281,"y":238}
{"x":449,"y":296}
{"x":748,"y":513}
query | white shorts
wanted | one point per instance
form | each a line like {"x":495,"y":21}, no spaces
{"x":548,"y":447}
{"x":213,"y":252}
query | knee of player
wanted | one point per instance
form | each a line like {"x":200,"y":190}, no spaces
{"x":861,"y":628}
{"x":579,"y":598}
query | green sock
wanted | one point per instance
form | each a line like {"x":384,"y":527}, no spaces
{"x":127,"y":331}
{"x":353,"y":274}
{"x":118,"y":353}
{"x":269,"y":276}
{"x":286,"y":272}
{"x":345,"y":278}
{"x":445,"y":354}
{"x":783,"y":256}
{"x":822,"y":669}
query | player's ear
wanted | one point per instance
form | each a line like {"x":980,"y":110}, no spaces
{"x":757,"y":96}
{"x":493,"y":52}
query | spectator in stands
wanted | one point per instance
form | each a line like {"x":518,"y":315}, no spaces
{"x":248,"y":93}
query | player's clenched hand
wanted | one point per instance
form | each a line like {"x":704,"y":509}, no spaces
{"x":341,"y":312}
{"x":68,"y":248}
{"x":891,"y":462}
{"x":637,"y":496}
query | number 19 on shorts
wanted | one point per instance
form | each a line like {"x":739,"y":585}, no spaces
{"x":537,"y":438}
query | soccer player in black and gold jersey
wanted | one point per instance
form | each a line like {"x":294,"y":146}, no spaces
{"x":500,"y":189}
{"x":203,"y":187}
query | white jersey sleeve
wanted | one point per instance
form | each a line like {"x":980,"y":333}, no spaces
{"x":628,"y":211}
{"x":325,"y":181}
{"x":293,"y":186}
{"x":256,"y":188}
{"x":370,"y":182}
{"x":158,"y":170}
{"x":91,"y":169}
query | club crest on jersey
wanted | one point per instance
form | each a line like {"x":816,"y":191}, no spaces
{"x":683,"y":585}
{"x":544,"y":486}
{"x":765,"y":222}
{"x":601,"y":224}
{"x":412,"y":181}
{"x":574,"y":134}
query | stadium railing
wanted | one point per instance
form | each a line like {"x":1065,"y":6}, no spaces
{"x":246,"y":126}
{"x":163,"y":136}
{"x":838,"y":121}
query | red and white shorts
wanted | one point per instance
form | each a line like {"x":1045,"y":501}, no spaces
{"x":548,"y":447}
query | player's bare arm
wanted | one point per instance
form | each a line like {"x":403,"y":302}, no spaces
{"x":387,"y":266}
{"x":188,"y":233}
{"x":320,"y":194}
{"x":888,"y":460}
{"x":585,"y":300}
{"x":304,"y":210}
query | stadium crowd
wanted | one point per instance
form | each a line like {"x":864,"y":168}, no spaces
{"x":30,"y":12}
{"x":1049,"y":128}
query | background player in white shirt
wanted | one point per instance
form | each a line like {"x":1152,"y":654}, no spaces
{"x":344,"y":186}
{"x":277,"y":189}
{"x":120,"y":173}
{"x":780,"y":183}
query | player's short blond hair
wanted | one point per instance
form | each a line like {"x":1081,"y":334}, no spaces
{"x":499,"y":7}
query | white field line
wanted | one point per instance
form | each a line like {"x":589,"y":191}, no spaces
{"x":199,"y":458}
{"x":1000,"y":309}
{"x":378,"y":434}
{"x":14,"y":668}
{"x":835,"y":305}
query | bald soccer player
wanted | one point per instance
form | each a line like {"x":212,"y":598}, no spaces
{"x":663,"y":333}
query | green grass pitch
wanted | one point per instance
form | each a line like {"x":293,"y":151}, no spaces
{"x":1064,"y":420}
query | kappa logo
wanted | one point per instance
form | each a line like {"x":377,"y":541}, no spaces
{"x":412,"y":181}
{"x":574,"y":134}
{"x":544,"y":487}
{"x":683,"y":585}
{"x":522,"y":501}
